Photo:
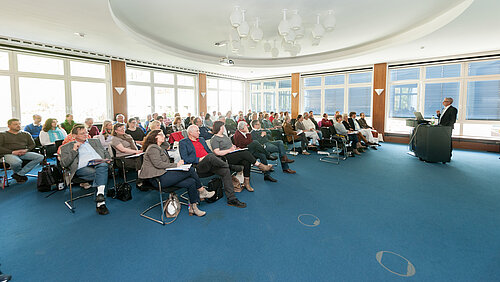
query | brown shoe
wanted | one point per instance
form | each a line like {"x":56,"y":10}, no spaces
{"x":264,"y":167}
{"x":289,"y":171}
{"x":246,"y":184}
{"x":236,"y":185}
{"x":285,"y":159}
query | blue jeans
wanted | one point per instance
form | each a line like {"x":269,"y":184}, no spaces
{"x":98,"y":174}
{"x":182,"y":179}
{"x":277,"y":147}
{"x":16,"y":162}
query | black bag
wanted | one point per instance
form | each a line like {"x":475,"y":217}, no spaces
{"x":123,"y":192}
{"x":215,"y":185}
{"x":48,"y":176}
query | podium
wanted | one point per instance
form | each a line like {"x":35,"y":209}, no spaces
{"x":431,"y":143}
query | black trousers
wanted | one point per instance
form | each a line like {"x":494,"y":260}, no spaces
{"x":244,"y":158}
{"x":212,"y":164}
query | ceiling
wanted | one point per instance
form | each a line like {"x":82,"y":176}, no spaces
{"x":183,"y":33}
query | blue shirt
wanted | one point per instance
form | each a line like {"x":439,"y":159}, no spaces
{"x":34,"y":130}
{"x":85,"y":154}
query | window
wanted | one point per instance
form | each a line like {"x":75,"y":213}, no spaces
{"x":484,"y":68}
{"x":164,"y":100}
{"x":269,"y":100}
{"x":224,"y":101}
{"x":185,"y":80}
{"x":285,"y":101}
{"x":334,"y":100}
{"x":84,"y":69}
{"x":37,"y":64}
{"x":360,"y":100}
{"x":444,"y":71}
{"x":255,"y":101}
{"x":224,"y":95}
{"x":335,"y":79}
{"x":138,"y":75}
{"x":363,"y":77}
{"x":272,"y":95}
{"x":4,"y":61}
{"x":86,"y":97}
{"x":45,"y":97}
{"x":312,"y":81}
{"x":435,"y":94}
{"x":483,"y":100}
{"x":163,"y":78}
{"x":403,"y":100}
{"x":6,"y":105}
{"x":404,"y":74}
{"x":312,"y":100}
{"x":212,"y":101}
{"x":186,"y":100}
{"x":138,"y":100}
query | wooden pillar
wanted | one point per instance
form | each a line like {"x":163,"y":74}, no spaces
{"x":379,"y":82}
{"x":119,"y":79}
{"x":202,"y":98}
{"x":296,"y":99}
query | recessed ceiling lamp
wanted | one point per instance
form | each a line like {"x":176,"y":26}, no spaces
{"x":267,"y":47}
{"x":330,"y":21}
{"x":318,"y":31}
{"x":257,"y":34}
{"x":284,"y":26}
{"x":236,"y":17}
{"x":295,"y":21}
{"x":244,"y":28}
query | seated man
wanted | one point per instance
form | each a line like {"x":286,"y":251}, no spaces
{"x":353,"y":137}
{"x":15,"y":146}
{"x":35,"y":127}
{"x":266,"y":123}
{"x":325,"y":122}
{"x":309,"y":125}
{"x":311,"y":118}
{"x":299,"y":125}
{"x":367,"y":133}
{"x":265,"y":139}
{"x":364,"y":125}
{"x":76,"y":156}
{"x":205,"y":133}
{"x":68,"y":123}
{"x":194,"y":150}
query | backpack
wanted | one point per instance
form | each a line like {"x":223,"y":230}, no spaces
{"x":48,"y":176}
{"x":215,"y":185}
{"x":122,"y":192}
{"x":172,"y":206}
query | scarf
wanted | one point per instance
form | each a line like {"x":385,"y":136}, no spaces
{"x":55,"y":135}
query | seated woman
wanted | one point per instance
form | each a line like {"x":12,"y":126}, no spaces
{"x":350,"y":127}
{"x":222,"y":146}
{"x":134,"y":131}
{"x":208,"y":122}
{"x":325,"y":122}
{"x":353,"y":138}
{"x":230,"y":123}
{"x":51,"y":133}
{"x":155,"y":163}
{"x":91,"y":128}
{"x":105,"y":137}
{"x":299,"y":125}
{"x":124,"y":145}
{"x":178,"y":124}
{"x":291,"y":135}
{"x":243,"y":139}
{"x":277,"y":123}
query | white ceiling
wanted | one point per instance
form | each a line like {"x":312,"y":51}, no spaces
{"x":182,"y":33}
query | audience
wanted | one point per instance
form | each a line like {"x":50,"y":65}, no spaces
{"x":162,"y":125}
{"x":264,"y":138}
{"x":293,"y":136}
{"x":35,"y":127}
{"x":124,"y":145}
{"x":187,"y":121}
{"x":51,"y":133}
{"x":311,"y":117}
{"x":106,"y":134}
{"x":310,"y":126}
{"x":15,"y":147}
{"x":178,"y":125}
{"x":204,"y":131}
{"x":194,"y":150}
{"x":243,"y":139}
{"x":347,"y":125}
{"x":266,"y":123}
{"x":353,"y":138}
{"x":77,"y":156}
{"x":208,"y":122}
{"x":68,"y":124}
{"x":277,"y":122}
{"x":139,"y":124}
{"x":136,"y":133}
{"x":299,"y":125}
{"x":155,"y":163}
{"x":366,"y":133}
{"x":91,"y":128}
{"x":325,"y":122}
{"x":222,"y":146}
{"x":230,"y":123}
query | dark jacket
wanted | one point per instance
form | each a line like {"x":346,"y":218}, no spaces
{"x":315,"y":123}
{"x":347,"y":125}
{"x":363,"y":124}
{"x":187,"y":151}
{"x":204,"y":133}
{"x":351,"y":124}
{"x":449,"y":118}
{"x":257,"y":136}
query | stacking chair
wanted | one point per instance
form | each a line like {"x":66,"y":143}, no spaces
{"x":5,"y":178}
{"x":337,"y":144}
{"x":119,"y":163}
{"x":75,"y":181}
{"x":170,"y":190}
{"x":293,"y":142}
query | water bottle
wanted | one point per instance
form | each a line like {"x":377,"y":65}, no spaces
{"x":433,"y":120}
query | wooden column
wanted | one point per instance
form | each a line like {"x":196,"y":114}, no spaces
{"x":119,"y":79}
{"x":202,"y":99}
{"x":379,"y":82}
{"x":296,"y":99}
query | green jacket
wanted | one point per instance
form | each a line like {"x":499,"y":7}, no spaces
{"x":68,"y":126}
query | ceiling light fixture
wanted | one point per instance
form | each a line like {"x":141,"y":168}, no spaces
{"x":330,"y":21}
{"x":244,"y":28}
{"x":295,"y":21}
{"x":235,"y":17}
{"x":80,"y":34}
{"x":318,"y":31}
{"x":257,"y":34}
{"x":284,"y":27}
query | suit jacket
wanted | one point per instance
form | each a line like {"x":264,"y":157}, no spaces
{"x":347,"y":125}
{"x":363,"y":124}
{"x":288,"y":129}
{"x":69,"y":157}
{"x":300,"y":125}
{"x":315,"y":123}
{"x":351,"y":123}
{"x":449,"y":118}
{"x":187,"y":151}
{"x":155,"y":161}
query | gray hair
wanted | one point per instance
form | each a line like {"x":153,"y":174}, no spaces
{"x":449,"y":99}
{"x":242,"y":125}
{"x":88,"y":119}
{"x":191,"y":128}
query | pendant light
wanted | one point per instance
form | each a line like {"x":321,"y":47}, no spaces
{"x":284,"y":27}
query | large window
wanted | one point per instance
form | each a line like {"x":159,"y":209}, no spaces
{"x":159,"y":91}
{"x":52,"y":87}
{"x":271,"y":95}
{"x":474,"y":87}
{"x":343,"y":92}
{"x":224,"y":95}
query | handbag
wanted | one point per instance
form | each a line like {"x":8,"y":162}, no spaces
{"x":215,"y":185}
{"x":48,"y":176}
{"x":172,"y":206}
{"x":122,"y":192}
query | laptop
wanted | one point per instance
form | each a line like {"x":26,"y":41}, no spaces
{"x":420,"y":118}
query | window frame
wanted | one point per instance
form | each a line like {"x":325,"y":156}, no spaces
{"x":276,"y":90}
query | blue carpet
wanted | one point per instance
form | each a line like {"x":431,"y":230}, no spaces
{"x":445,"y":219}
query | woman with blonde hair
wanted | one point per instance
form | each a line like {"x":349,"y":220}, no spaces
{"x":178,"y":124}
{"x":105,"y":137}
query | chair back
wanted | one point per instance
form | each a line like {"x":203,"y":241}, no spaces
{"x":332,"y":130}
{"x":326,"y":133}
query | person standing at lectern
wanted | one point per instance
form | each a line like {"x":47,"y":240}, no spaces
{"x":448,"y":117}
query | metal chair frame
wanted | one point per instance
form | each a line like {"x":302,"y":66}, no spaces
{"x":5,"y":177}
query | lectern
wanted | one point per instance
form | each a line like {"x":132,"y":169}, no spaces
{"x":431,"y":143}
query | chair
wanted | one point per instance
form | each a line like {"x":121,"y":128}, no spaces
{"x":119,"y":163}
{"x":70,"y":203}
{"x":5,"y":178}
{"x":169,"y":190}
{"x":293,"y":142}
{"x":331,"y":139}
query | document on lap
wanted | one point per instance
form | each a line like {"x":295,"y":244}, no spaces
{"x":237,"y":150}
{"x":185,"y":167}
{"x":96,"y":162}
{"x":133,"y":156}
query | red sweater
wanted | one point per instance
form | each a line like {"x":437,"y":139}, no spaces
{"x":240,"y":141}
{"x":326,"y":123}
